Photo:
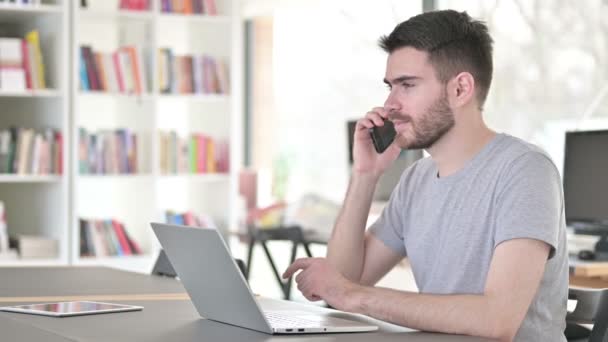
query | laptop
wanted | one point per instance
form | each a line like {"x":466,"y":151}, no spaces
{"x":220,"y":293}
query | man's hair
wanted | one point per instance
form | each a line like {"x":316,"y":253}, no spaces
{"x":454,"y":42}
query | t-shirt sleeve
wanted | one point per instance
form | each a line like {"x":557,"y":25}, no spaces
{"x":388,"y":228}
{"x":530,"y":202}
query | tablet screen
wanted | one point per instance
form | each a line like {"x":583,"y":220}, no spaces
{"x":71,"y":308}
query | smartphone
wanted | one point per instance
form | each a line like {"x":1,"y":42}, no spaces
{"x":383,"y":136}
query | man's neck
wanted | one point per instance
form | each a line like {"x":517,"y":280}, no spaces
{"x":459,"y":145}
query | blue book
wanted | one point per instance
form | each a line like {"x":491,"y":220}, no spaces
{"x":84,"y":79}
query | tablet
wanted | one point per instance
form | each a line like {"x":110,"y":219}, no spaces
{"x":63,"y":309}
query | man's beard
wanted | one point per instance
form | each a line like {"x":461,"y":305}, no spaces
{"x":438,"y":120}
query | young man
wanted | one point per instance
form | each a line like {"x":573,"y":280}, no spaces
{"x":481,"y":220}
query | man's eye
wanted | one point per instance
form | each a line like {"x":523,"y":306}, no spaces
{"x":388,"y":86}
{"x":407,"y":85}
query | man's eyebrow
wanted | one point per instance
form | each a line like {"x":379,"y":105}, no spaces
{"x":401,"y":79}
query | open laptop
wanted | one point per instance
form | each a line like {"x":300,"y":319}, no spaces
{"x":220,"y":293}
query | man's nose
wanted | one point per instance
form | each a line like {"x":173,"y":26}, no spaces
{"x":391,"y":104}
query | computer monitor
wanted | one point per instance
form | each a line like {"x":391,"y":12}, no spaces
{"x":586,"y":184}
{"x":391,"y":176}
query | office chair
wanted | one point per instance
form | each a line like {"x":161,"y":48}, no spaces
{"x":591,"y":308}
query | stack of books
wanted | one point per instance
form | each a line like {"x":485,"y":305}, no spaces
{"x":121,"y":71}
{"x":192,"y":74}
{"x":107,"y":152}
{"x":197,"y":154}
{"x":26,"y":151}
{"x":100,"y":238}
{"x":21,"y":63}
{"x":33,"y":246}
{"x":206,"y":7}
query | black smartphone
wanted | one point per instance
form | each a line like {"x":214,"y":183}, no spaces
{"x":383,"y":136}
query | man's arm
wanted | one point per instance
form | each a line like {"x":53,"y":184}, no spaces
{"x":346,"y":247}
{"x":513,"y":279}
{"x":360,"y":257}
{"x":349,"y":250}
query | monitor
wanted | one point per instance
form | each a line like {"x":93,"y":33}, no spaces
{"x":391,"y":176}
{"x":586,"y":184}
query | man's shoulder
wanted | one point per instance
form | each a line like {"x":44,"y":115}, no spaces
{"x":514,"y":151}
{"x":521,"y":162}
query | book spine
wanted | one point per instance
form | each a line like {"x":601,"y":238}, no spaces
{"x":34,"y":38}
{"x":122,"y":239}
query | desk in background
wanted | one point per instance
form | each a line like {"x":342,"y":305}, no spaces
{"x":168,"y":314}
{"x":588,"y":274}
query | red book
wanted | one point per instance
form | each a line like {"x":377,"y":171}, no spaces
{"x":26,"y":63}
{"x":132,"y":244}
{"x":122,"y":239}
{"x":189,"y":219}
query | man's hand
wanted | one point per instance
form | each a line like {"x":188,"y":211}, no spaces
{"x":319,"y":280}
{"x":366,"y":159}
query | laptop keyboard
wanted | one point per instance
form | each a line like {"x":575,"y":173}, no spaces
{"x":278,"y":320}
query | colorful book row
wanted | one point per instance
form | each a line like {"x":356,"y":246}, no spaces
{"x":197,"y":153}
{"x":107,"y":152}
{"x":19,"y":2}
{"x":189,"y":219}
{"x":21,"y":63}
{"x":192,"y":74}
{"x":207,"y":7}
{"x":121,"y":71}
{"x":26,"y":151}
{"x":100,"y":238}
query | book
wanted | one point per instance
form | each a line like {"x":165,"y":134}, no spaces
{"x":4,"y":246}
{"x":12,"y":73}
{"x":33,"y":38}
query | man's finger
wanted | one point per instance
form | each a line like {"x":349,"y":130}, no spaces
{"x":299,"y":264}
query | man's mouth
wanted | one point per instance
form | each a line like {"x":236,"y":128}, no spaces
{"x":400,"y":125}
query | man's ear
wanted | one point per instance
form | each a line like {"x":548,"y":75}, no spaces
{"x":461,"y":90}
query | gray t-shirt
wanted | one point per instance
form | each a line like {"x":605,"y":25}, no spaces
{"x":448,"y":227}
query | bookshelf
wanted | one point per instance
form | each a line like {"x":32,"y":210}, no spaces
{"x":135,"y":199}
{"x":39,"y":204}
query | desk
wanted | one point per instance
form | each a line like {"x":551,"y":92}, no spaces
{"x":588,"y":273}
{"x":164,"y":318}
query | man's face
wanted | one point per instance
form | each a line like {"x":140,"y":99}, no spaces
{"x":417,"y":103}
